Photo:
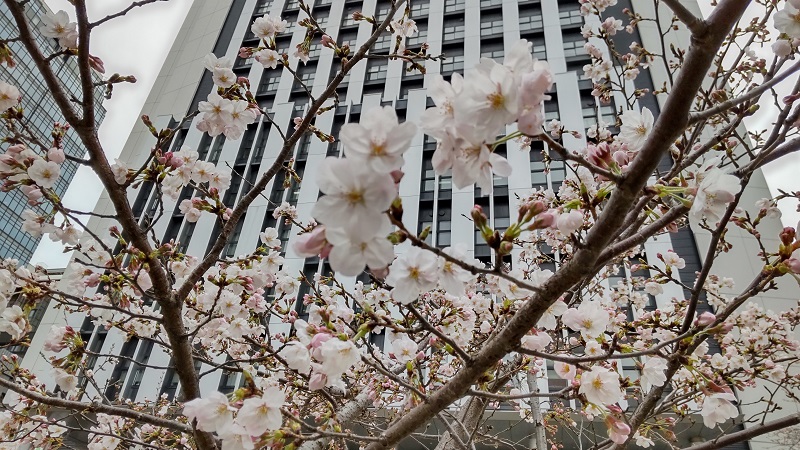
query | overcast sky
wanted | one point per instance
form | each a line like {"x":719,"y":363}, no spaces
{"x":138,"y":44}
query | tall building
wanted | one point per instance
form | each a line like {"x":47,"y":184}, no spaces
{"x":465,"y":31}
{"x":41,"y":112}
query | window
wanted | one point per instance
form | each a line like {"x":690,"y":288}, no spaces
{"x":383,"y":9}
{"x":262,"y":7}
{"x":421,"y":35}
{"x":216,"y":150}
{"x":243,"y":63}
{"x":573,"y":44}
{"x":530,"y":17}
{"x":348,"y":38}
{"x":538,"y":46}
{"x":443,"y":225}
{"x":306,"y":75}
{"x":608,"y":113}
{"x":570,"y":14}
{"x":376,"y":69}
{"x":588,"y":109}
{"x":428,"y":183}
{"x":425,"y":218}
{"x":292,"y":4}
{"x":314,"y":50}
{"x":408,"y":85}
{"x":454,"y":59}
{"x":227,"y":382}
{"x":233,"y":240}
{"x":321,"y":16}
{"x":453,"y":5}
{"x":319,"y":3}
{"x":347,"y":15}
{"x":453,"y":28}
{"x":538,"y":168}
{"x":492,"y":49}
{"x":270,"y":80}
{"x":551,"y":108}
{"x":420,"y":9}
{"x":384,"y":42}
{"x":491,"y":24}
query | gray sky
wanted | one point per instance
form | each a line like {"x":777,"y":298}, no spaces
{"x":138,"y":44}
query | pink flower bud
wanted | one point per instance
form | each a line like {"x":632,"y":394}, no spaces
{"x":397,"y":176}
{"x":319,"y":339}
{"x":793,"y":264}
{"x":33,"y":193}
{"x":56,"y":155}
{"x":245,"y":52}
{"x":7,"y":160}
{"x":92,"y":280}
{"x":380,"y":273}
{"x":317,"y":381}
{"x":327,"y":41}
{"x":311,"y":243}
{"x":16,"y":149}
{"x":97,"y":64}
{"x":705,"y":319}
{"x":621,"y":158}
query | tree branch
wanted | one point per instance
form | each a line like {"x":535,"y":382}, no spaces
{"x":696,"y":25}
{"x":749,"y":95}
{"x":95,"y":407}
{"x":748,"y":433}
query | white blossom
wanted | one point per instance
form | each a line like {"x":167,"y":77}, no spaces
{"x":44,"y":173}
{"x":411,"y":274}
{"x":601,"y":386}
{"x":9,"y":96}
{"x":635,"y":128}
{"x":259,"y":415}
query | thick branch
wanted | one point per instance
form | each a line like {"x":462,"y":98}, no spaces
{"x":748,"y":433}
{"x":696,"y":25}
{"x":667,"y":129}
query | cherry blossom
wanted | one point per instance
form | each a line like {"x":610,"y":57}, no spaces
{"x":636,"y":128}
{"x":653,"y":373}
{"x":404,"y":349}
{"x":590,"y":318}
{"x":269,"y":237}
{"x":338,"y":356}
{"x":536,"y":342}
{"x":9,"y":96}
{"x":58,"y":26}
{"x":44,"y":173}
{"x":355,"y":199}
{"x":297,"y":356}
{"x":213,"y":413}
{"x":601,"y":386}
{"x":715,"y":191}
{"x":411,"y":274}
{"x":718,"y":408}
{"x":258,"y":415}
{"x":350,"y":253}
{"x":787,"y":21}
{"x":378,"y":140}
{"x":267,"y":57}
{"x":267,"y":27}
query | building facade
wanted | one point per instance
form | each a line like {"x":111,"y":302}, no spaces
{"x":463,"y":30}
{"x":41,"y":112}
